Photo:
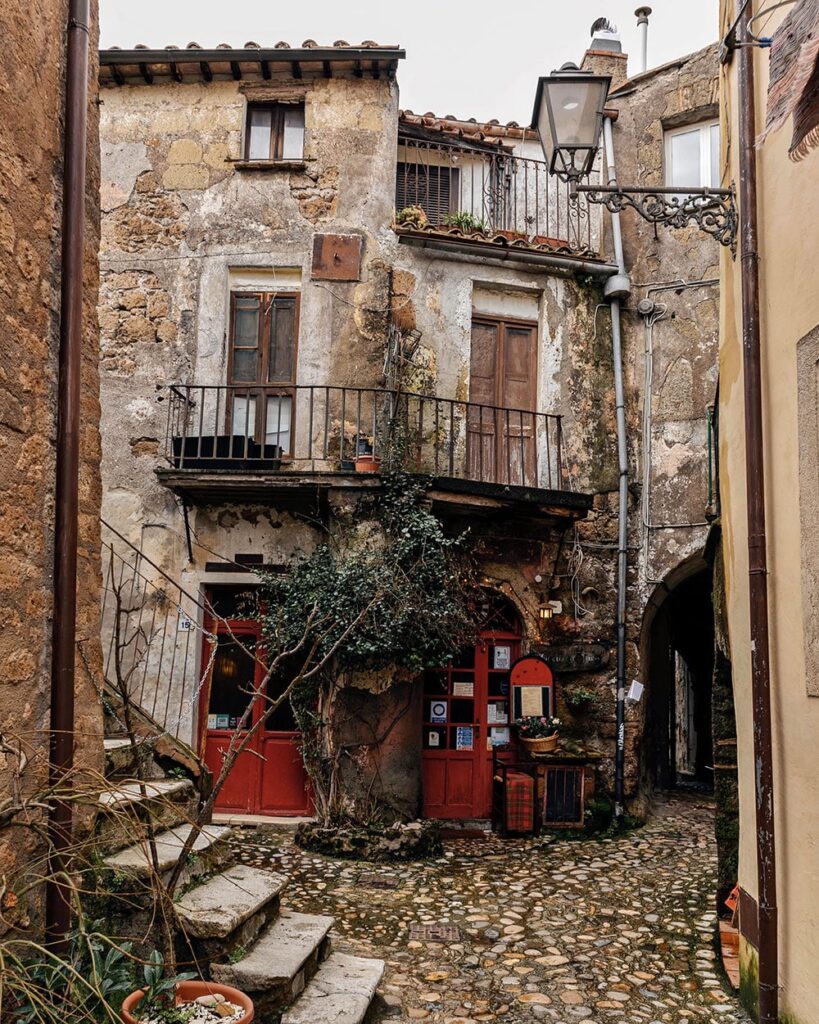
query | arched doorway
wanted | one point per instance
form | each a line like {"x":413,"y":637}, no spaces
{"x":466,"y":710}
{"x":679,"y":655}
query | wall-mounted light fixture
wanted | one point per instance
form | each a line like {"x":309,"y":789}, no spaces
{"x":568,"y":115}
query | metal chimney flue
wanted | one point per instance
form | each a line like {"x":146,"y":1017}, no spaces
{"x":642,"y":14}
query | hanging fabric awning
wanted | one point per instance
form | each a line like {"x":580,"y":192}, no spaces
{"x":793,"y":88}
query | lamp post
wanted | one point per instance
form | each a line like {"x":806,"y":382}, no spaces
{"x":568,"y":115}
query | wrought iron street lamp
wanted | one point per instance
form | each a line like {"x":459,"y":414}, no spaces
{"x":568,"y":115}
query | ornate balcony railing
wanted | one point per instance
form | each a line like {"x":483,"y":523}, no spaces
{"x":490,"y":196}
{"x":326,"y":428}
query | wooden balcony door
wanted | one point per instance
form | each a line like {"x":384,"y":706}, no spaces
{"x":501,"y":422}
{"x":269,"y":776}
{"x":262,"y":355}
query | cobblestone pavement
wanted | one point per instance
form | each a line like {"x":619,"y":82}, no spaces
{"x":616,"y":930}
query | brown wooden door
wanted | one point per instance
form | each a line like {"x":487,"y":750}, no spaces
{"x":501,"y":423}
{"x":262,"y":355}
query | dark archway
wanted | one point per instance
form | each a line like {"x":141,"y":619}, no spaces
{"x":678,"y":643}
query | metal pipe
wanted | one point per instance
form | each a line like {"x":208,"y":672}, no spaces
{"x":757,"y":540}
{"x":642,"y":27}
{"x":64,"y":612}
{"x":622,"y":462}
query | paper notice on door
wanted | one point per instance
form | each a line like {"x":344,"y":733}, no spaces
{"x":503,"y":657}
{"x":496,"y":713}
{"x":463,"y":689}
{"x":434,"y":739}
{"x":464,"y":737}
{"x":211,"y":721}
{"x":499,"y":737}
{"x":531,"y":701}
{"x":437,"y":711}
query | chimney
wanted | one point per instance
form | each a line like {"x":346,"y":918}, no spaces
{"x":605,"y":54}
{"x":642,"y":14}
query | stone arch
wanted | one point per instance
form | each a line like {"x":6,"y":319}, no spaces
{"x":677,"y":656}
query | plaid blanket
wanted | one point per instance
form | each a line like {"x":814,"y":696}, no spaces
{"x":520,"y":802}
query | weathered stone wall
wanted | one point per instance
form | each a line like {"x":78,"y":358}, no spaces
{"x":31,"y":139}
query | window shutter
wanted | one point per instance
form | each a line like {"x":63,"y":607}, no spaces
{"x":428,"y":186}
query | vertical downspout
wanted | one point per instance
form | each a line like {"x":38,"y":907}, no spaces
{"x":757,"y":542}
{"x":58,"y":893}
{"x":618,"y":287}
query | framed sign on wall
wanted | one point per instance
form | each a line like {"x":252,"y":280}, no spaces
{"x":532,"y":688}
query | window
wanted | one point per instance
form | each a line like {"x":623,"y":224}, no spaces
{"x":263,"y":342}
{"x":434,"y":188}
{"x":692,"y":156}
{"x":275,"y":131}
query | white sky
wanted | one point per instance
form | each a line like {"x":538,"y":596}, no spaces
{"x":470,"y":58}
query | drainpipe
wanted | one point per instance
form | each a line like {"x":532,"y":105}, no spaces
{"x":757,"y":543}
{"x":58,"y":894}
{"x":616,"y":288}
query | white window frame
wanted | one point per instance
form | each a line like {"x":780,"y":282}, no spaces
{"x":703,"y":128}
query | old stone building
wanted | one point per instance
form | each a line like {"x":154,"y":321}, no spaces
{"x":31,"y":161}
{"x":288,"y":262}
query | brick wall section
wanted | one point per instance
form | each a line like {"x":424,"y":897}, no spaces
{"x":31,"y":103}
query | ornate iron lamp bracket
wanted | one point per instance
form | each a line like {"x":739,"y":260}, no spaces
{"x":713,"y":210}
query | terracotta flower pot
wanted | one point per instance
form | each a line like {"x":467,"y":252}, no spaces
{"x":186,"y":992}
{"x":540,"y":744}
{"x":368,"y":463}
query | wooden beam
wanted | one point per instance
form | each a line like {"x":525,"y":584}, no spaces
{"x":235,"y":70}
{"x":266,"y":70}
{"x":119,"y":78}
{"x":146,"y":73}
{"x":357,"y":69}
{"x":176,"y":74}
{"x":207,"y":74}
{"x":295,"y":67}
{"x":376,"y":69}
{"x":328,"y":69}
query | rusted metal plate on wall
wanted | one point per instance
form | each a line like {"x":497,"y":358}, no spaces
{"x":336,"y":258}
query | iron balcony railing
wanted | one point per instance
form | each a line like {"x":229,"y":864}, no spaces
{"x":320,"y":428}
{"x":151,"y":644}
{"x":490,"y":194}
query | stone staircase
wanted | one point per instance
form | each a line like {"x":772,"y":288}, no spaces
{"x":236,"y":931}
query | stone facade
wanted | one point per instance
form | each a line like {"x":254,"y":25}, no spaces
{"x":186,"y":222}
{"x":31,"y":143}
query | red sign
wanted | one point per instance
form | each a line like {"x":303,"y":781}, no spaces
{"x":531,"y":670}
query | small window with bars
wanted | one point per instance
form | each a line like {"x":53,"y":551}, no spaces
{"x":563,"y":798}
{"x":435,"y":188}
{"x":274,"y":131}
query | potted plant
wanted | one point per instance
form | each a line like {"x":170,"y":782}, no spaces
{"x":538,"y":734}
{"x":365,"y":461}
{"x":182,"y":1000}
{"x":411,"y":217}
{"x":466,"y":222}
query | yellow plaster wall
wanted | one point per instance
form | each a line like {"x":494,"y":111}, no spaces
{"x":789,"y":280}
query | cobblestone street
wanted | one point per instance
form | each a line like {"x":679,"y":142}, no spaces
{"x":519,"y":930}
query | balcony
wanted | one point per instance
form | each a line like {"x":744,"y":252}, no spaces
{"x":488,"y":201}
{"x":291,"y":445}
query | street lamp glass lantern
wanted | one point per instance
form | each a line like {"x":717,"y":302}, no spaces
{"x":568,"y":116}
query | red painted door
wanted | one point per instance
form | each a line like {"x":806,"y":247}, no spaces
{"x":269,"y":776}
{"x":465,"y":712}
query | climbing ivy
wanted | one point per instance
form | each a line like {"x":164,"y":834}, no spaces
{"x":392,"y":578}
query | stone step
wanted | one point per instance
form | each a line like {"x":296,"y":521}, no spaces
{"x":229,"y":910}
{"x":121,"y":759}
{"x":123,"y":811}
{"x":281,"y":962}
{"x":340,"y":993}
{"x":210,"y":851}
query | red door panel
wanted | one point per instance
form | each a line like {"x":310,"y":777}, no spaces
{"x":238,"y":795}
{"x":284,"y":780}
